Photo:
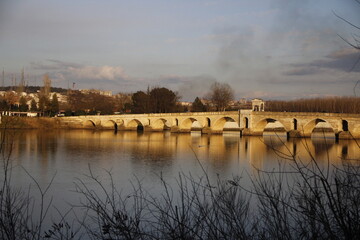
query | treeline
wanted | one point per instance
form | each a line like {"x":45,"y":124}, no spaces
{"x":89,"y":102}
{"x":79,"y":103}
{"x":32,"y":89}
{"x":75,"y":102}
{"x":156,"y":100}
{"x":330,"y":104}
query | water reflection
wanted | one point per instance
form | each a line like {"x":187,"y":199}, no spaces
{"x":131,"y":153}
{"x":68,"y":154}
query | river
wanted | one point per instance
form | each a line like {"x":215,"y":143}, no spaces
{"x":68,"y":155}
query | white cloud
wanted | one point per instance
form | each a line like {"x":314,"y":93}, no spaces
{"x":97,"y":72}
{"x":80,"y":71}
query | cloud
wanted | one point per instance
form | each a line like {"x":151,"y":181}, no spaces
{"x":301,"y":81}
{"x":196,"y":86}
{"x":79,"y":71}
{"x":236,"y":47}
{"x":64,"y":74}
{"x":188,"y":87}
{"x":346,"y":59}
{"x":301,"y":71}
{"x":114,"y":78}
{"x":98,"y":73}
{"x":52,"y":64}
{"x":251,"y":55}
{"x":289,"y":13}
{"x":342,"y":53}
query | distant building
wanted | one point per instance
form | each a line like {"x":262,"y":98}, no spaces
{"x":61,"y":97}
{"x":186,"y":104}
{"x":243,"y":101}
{"x":32,"y":96}
{"x":258,"y":105}
{"x":20,"y":114}
{"x":205,"y":101}
{"x":88,"y":91}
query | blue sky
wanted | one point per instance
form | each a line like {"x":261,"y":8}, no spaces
{"x":273,"y":49}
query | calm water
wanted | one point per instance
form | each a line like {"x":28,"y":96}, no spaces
{"x":67,"y":155}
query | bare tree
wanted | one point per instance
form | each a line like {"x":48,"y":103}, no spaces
{"x":47,"y":85}
{"x":11,"y":99}
{"x":221,"y":94}
{"x":21,"y":86}
{"x":355,"y":42}
{"x":329,"y":104}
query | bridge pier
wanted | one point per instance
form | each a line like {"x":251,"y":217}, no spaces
{"x":121,"y":128}
{"x":255,"y":133}
{"x":294,"y":134}
{"x":129,"y":129}
{"x":184,"y":130}
{"x":174,"y":129}
{"x":216,"y":131}
{"x":345,"y":135}
{"x":150,"y":129}
{"x":206,"y":130}
{"x":246,"y":132}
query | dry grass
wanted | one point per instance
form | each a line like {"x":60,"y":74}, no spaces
{"x":28,"y":123}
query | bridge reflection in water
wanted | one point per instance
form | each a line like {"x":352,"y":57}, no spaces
{"x":69,"y":153}
{"x":105,"y":147}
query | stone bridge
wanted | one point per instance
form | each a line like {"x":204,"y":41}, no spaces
{"x":246,"y":122}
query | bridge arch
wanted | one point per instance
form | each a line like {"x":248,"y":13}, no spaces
{"x":345,"y":125}
{"x":89,"y":124}
{"x":110,"y":124}
{"x":159,"y":124}
{"x":246,"y":122}
{"x":135,"y":124}
{"x":187,"y":123}
{"x":208,"y":122}
{"x":220,"y":123}
{"x":310,"y":126}
{"x":295,"y":124}
{"x":260,"y":126}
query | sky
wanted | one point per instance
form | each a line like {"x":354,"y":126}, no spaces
{"x":270,"y":49}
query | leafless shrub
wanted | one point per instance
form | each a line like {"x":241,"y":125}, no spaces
{"x":301,"y":200}
{"x":309,"y":201}
{"x":195,"y":209}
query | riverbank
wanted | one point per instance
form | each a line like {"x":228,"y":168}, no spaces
{"x":28,"y":122}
